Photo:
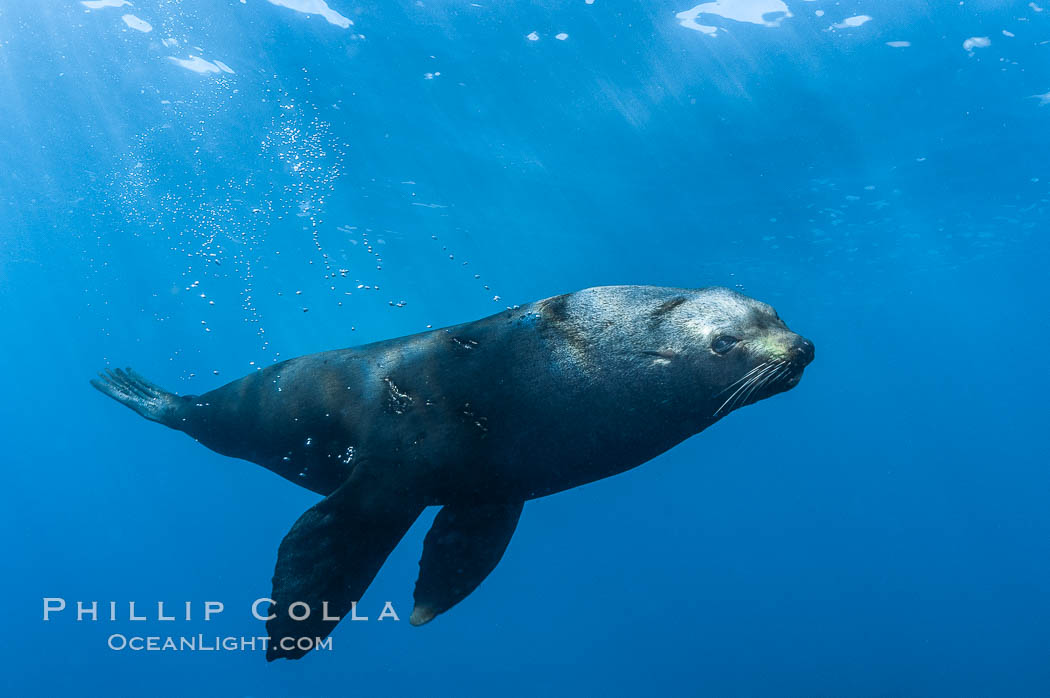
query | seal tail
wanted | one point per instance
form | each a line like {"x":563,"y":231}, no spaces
{"x":132,"y":390}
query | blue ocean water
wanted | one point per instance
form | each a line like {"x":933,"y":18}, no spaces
{"x":198,"y":189}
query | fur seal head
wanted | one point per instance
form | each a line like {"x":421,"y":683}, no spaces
{"x":735,"y":350}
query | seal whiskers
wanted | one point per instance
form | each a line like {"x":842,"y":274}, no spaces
{"x":752,"y":378}
{"x":742,"y":378}
{"x":758,"y":384}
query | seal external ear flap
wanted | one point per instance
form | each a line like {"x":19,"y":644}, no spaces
{"x":463,"y":546}
{"x":332,"y":554}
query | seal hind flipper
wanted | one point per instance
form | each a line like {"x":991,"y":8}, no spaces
{"x":132,"y":390}
{"x":463,"y":546}
{"x":333,"y":552}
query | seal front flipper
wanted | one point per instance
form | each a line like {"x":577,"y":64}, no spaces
{"x":333,"y":553}
{"x":463,"y":546}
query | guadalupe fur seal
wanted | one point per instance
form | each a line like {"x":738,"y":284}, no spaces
{"x":476,"y":418}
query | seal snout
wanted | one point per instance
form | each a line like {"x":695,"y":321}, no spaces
{"x":802,"y":352}
{"x":799,"y":356}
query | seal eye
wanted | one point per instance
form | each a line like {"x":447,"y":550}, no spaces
{"x":723,"y":343}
